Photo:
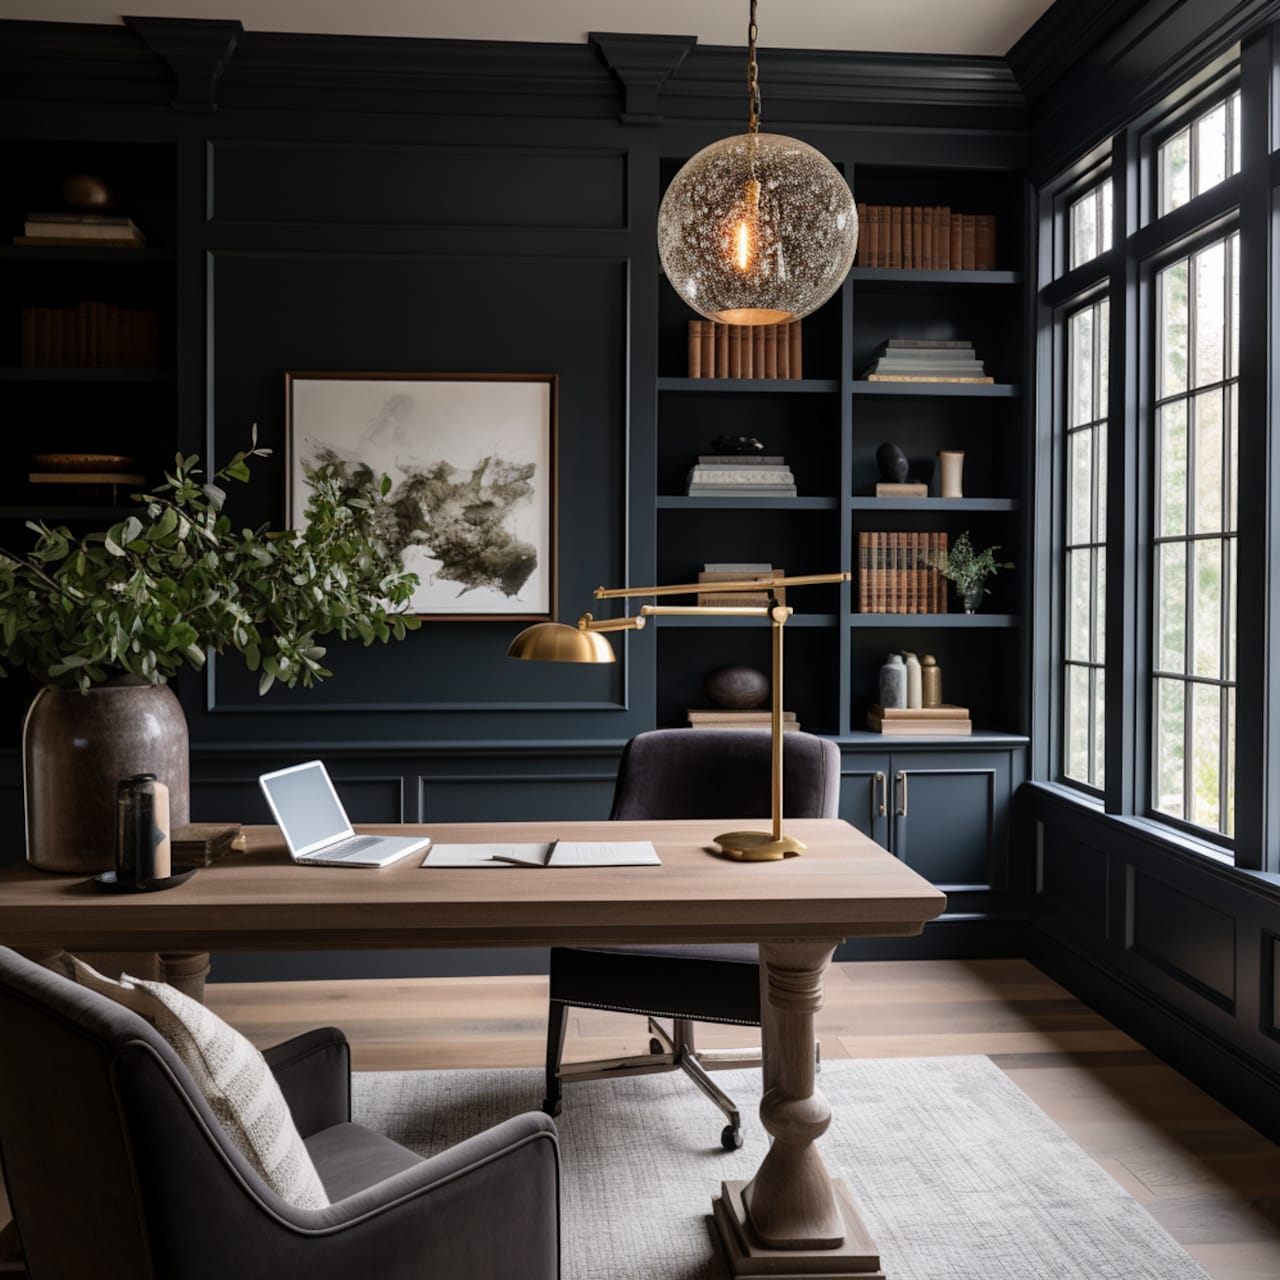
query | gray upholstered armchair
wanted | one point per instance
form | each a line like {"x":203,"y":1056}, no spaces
{"x":117,"y":1168}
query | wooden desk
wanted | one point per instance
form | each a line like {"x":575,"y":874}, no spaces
{"x":792,"y":1219}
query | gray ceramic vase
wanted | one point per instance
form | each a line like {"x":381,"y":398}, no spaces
{"x":76,"y":747}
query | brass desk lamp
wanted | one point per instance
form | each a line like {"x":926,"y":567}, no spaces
{"x":558,"y":642}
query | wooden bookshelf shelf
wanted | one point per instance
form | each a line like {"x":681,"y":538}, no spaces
{"x":958,"y":505}
{"x":894,"y":276}
{"x":796,"y":620}
{"x":753,"y":386}
{"x":931,"y":621}
{"x":15,"y":373}
{"x":677,"y":502}
{"x":953,"y":390}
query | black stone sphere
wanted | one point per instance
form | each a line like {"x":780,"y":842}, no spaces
{"x":893,"y":463}
{"x":737,"y":687}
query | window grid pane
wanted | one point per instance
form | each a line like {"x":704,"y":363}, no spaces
{"x":1200,"y":155}
{"x":1194,"y":624}
{"x":1089,"y":225}
{"x":1084,"y":563}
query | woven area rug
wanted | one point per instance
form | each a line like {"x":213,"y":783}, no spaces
{"x":959,"y":1175}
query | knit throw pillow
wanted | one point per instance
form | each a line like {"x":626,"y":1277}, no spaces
{"x":232,"y":1076}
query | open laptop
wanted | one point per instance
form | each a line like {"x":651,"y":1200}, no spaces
{"x":316,"y":827}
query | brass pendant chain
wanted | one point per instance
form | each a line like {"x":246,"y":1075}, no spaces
{"x":753,"y":72}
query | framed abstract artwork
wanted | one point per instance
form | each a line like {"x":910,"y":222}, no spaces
{"x":472,"y":464}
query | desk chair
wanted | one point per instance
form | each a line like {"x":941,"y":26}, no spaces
{"x":118,"y":1169}
{"x":686,"y":773}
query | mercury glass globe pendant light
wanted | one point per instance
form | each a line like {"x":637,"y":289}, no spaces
{"x":757,"y":228}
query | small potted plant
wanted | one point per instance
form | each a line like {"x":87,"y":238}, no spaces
{"x":969,"y":570}
{"x":103,"y":622}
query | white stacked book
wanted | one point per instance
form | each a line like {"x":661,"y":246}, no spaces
{"x":926,"y":360}
{"x":730,"y":475}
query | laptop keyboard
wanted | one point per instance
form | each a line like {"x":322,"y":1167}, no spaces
{"x":347,"y":848}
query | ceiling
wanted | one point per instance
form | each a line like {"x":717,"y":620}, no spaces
{"x":909,"y":26}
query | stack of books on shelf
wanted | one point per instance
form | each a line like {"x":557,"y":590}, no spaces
{"x":755,"y":475}
{"x":901,"y":572}
{"x":727,"y":572}
{"x":744,"y":350}
{"x":726,"y":718}
{"x":81,"y":231}
{"x":913,"y":722}
{"x":926,"y":360}
{"x":925,"y":238}
{"x":90,"y":335}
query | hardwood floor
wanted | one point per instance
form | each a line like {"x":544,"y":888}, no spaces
{"x":1211,"y":1180}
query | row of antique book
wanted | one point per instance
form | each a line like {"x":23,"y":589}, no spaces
{"x":901,"y":572}
{"x":744,"y":350}
{"x":92,"y":335}
{"x":925,"y":238}
{"x":726,"y":571}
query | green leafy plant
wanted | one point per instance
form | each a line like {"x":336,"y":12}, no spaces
{"x":970,"y":569}
{"x":164,"y":587}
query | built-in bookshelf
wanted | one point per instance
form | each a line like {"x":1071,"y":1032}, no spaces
{"x":828,"y":426}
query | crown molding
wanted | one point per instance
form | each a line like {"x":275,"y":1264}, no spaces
{"x":641,"y":65}
{"x":195,"y":50}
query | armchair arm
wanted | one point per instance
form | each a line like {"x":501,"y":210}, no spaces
{"x":489,"y":1206}
{"x":314,"y":1074}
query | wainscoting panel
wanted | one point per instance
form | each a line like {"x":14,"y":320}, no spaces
{"x":1189,"y":963}
{"x":363,"y":183}
{"x":1184,"y":936}
{"x":515,"y":797}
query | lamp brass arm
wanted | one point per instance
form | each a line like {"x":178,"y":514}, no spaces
{"x":692,"y":588}
{"x":588,"y":623}
{"x":702,"y":610}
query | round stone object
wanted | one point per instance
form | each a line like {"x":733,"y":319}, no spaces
{"x":737,"y":687}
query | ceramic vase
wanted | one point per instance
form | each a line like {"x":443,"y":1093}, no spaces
{"x":893,"y":682}
{"x":930,"y":681}
{"x":915,"y":694}
{"x":951,"y":467}
{"x":971,"y":599}
{"x":76,"y":747}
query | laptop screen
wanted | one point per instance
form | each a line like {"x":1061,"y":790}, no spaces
{"x":306,"y":806}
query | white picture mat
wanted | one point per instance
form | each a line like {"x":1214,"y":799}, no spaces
{"x":398,"y":426}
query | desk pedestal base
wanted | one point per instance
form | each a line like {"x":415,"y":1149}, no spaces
{"x":856,"y":1259}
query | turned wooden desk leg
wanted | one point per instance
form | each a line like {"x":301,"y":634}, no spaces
{"x":792,"y":1219}
{"x":185,"y":971}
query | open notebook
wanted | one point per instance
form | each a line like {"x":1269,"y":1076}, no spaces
{"x":556,"y":853}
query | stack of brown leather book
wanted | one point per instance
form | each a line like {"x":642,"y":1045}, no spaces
{"x":913,"y":722}
{"x":201,"y":844}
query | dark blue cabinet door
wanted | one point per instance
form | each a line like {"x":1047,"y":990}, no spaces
{"x":950,"y":812}
{"x":864,"y":794}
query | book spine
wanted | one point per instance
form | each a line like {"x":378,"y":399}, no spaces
{"x":770,"y":350}
{"x":984,"y":256}
{"x":967,"y":242}
{"x":942,"y":247}
{"x":28,"y":356}
{"x":864,"y":244}
{"x":895,"y":236}
{"x":903,"y":583}
{"x":735,"y":350}
{"x":695,"y":348}
{"x":722,"y":350}
{"x":708,"y":332}
{"x":795,"y":344}
{"x":784,"y":351}
{"x":757,"y":350}
{"x":110,"y":335}
{"x":863,"y":558}
{"x":917,"y":237}
{"x":926,"y":241}
{"x":918,"y":567}
{"x":908,"y":239}
{"x":954,"y":250}
{"x":749,"y":369}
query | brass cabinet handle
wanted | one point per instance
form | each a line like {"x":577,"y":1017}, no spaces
{"x":881,"y":784}
{"x":901,"y":778}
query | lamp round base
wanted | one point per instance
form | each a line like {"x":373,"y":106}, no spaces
{"x":758,"y":846}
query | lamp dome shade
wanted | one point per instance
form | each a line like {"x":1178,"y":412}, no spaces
{"x":757,"y":229}
{"x":557,"y":642}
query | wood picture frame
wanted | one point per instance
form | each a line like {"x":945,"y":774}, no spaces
{"x":472,"y":459}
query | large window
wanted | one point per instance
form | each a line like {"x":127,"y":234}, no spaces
{"x":1089,"y":225}
{"x":1194,"y":542}
{"x":1085,"y":549}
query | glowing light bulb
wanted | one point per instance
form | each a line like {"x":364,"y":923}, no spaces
{"x":746,"y":233}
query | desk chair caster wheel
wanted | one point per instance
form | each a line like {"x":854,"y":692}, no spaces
{"x":731,"y":1137}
